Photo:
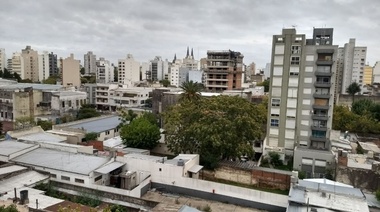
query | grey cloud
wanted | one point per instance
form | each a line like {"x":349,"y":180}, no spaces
{"x":147,"y":28}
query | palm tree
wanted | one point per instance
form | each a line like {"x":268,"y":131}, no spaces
{"x":352,"y":89}
{"x":191,"y":91}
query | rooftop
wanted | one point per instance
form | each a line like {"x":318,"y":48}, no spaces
{"x":97,"y":125}
{"x":10,"y":169}
{"x":42,"y":136}
{"x":60,"y":160}
{"x":146,"y":157}
{"x":369,"y":146}
{"x":70,"y":93}
{"x":113,"y":142}
{"x":21,"y":180}
{"x":9,"y":147}
{"x":35,"y":86}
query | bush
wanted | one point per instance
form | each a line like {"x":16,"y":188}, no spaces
{"x":378,"y":195}
{"x":275,"y":159}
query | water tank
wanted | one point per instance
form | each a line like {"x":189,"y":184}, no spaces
{"x":180,"y":162}
{"x":24,"y":199}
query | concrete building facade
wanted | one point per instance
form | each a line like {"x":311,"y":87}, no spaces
{"x":351,"y":61}
{"x":224,"y":70}
{"x":376,"y":73}
{"x":301,"y":99}
{"x":16,"y":65}
{"x":104,"y":71}
{"x":367,"y":75}
{"x":158,"y":69}
{"x":3,"y":59}
{"x":129,"y":70}
{"x":53,"y":64}
{"x":31,"y":66}
{"x":90,"y":63}
{"x":70,"y":71}
{"x":43,"y":66}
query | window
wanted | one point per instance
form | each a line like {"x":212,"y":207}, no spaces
{"x":277,"y":81}
{"x":276,"y":102}
{"x":279,"y":49}
{"x":79,"y":180}
{"x":289,"y":134}
{"x":295,"y":60}
{"x":274,"y":122}
{"x":292,"y":103}
{"x":294,"y":70}
{"x":53,"y":175}
{"x":69,"y":103}
{"x":278,"y":60}
{"x":107,"y":132}
{"x":98,"y":178}
{"x":290,"y":123}
{"x":65,"y":178}
{"x":159,"y":169}
{"x":63,"y":103}
{"x":318,"y":134}
{"x":308,"y":80}
{"x":309,"y":69}
{"x":305,"y":122}
{"x":296,"y":49}
{"x":276,"y":91}
{"x":291,"y":113}
{"x":292,"y":92}
{"x":306,"y":101}
{"x":277,"y":71}
{"x":273,"y":131}
{"x":275,"y":112}
{"x":309,"y":57}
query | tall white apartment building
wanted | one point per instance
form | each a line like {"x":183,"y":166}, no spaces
{"x":144,"y":69}
{"x":179,"y":69}
{"x":301,"y":99}
{"x":43,"y":66}
{"x":351,"y":61}
{"x":174,"y":72}
{"x":376,"y":73}
{"x":3,"y":60}
{"x":31,"y":67}
{"x":17,"y":64}
{"x":104,"y":71}
{"x":90,"y":63}
{"x":129,"y":70}
{"x":158,"y":69}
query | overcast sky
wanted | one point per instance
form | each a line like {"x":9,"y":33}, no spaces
{"x":146,"y":28}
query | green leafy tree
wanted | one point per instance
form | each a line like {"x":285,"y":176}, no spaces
{"x":45,"y":125}
{"x":17,"y":77}
{"x":51,"y":80}
{"x":91,"y":136}
{"x":191,"y":91}
{"x":275,"y":159}
{"x":221,"y":127}
{"x":1,"y":73}
{"x":82,"y":71}
{"x":9,"y":208}
{"x":266,"y":84}
{"x":87,"y":111}
{"x":24,"y":122}
{"x":378,"y":195}
{"x":140,"y":133}
{"x":363,"y":106}
{"x":126,"y":117}
{"x":165,"y":82}
{"x":352,"y":89}
{"x":150,"y":117}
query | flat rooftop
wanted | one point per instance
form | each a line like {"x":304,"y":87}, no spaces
{"x":10,"y":169}
{"x":42,"y":136}
{"x":35,"y":86}
{"x":70,"y":93}
{"x":60,"y":160}
{"x":146,"y":157}
{"x":9,"y":147}
{"x":96,"y":125}
{"x":21,"y":180}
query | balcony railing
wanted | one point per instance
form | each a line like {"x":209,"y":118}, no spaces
{"x":320,"y":117}
{"x":322,"y":84}
{"x":323,"y":73}
{"x":321,"y":107}
{"x":321,"y":96}
{"x":324,"y":62}
{"x":319,"y":127}
{"x":318,"y":138}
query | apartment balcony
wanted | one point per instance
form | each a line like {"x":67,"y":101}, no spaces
{"x":321,"y":107}
{"x":216,"y":86}
{"x":319,"y":138}
{"x":322,"y":84}
{"x":319,"y":128}
{"x":325,"y":62}
{"x":321,"y":96}
{"x":217,"y":79}
{"x":320,"y":73}
{"x":320,"y":117}
{"x":325,"y":51}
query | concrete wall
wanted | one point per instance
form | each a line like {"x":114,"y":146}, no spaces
{"x":346,"y":100}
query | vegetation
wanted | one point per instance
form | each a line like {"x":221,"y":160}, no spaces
{"x":88,"y":79}
{"x":364,"y":117}
{"x":126,"y":117}
{"x":275,"y":159}
{"x":352,"y":89}
{"x":8,"y":75}
{"x":115,"y":74}
{"x":87,"y":111}
{"x":9,"y":208}
{"x":82,"y":71}
{"x":149,"y":103}
{"x":191,"y":91}
{"x":142,"y":132}
{"x":266,"y":84}
{"x":220,"y":127}
{"x":24,"y":122}
{"x":207,"y":208}
{"x":51,"y":80}
{"x":91,"y":136}
{"x":45,"y":125}
{"x":165,"y":82}
{"x":378,"y":195}
{"x":359,"y":149}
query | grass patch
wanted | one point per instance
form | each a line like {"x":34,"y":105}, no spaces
{"x":276,"y":191}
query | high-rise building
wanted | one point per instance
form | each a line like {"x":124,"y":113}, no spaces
{"x":3,"y":60}
{"x":249,"y":71}
{"x":351,"y":60}
{"x":70,"y":69}
{"x":179,"y":69}
{"x":266,"y":70}
{"x":43,"y":66}
{"x":301,"y":95}
{"x":129,"y":70}
{"x":376,"y":73}
{"x":367,"y":76}
{"x":31,"y":67}
{"x":90,"y":63}
{"x":224,"y":70}
{"x":16,"y":65}
{"x":53,"y":64}
{"x":104,"y":71}
{"x":158,"y":69}
{"x":144,"y":68}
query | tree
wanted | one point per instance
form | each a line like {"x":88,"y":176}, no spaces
{"x":16,"y":76}
{"x":9,"y":208}
{"x":363,"y":106}
{"x":191,"y":91}
{"x":51,"y":80}
{"x":24,"y":122}
{"x":126,"y":117}
{"x":378,"y":195}
{"x":82,"y":71}
{"x":165,"y":82}
{"x":150,"y":117}
{"x":266,"y":84}
{"x":220,"y":127}
{"x":115,"y":74}
{"x":91,"y":136}
{"x":140,"y":133}
{"x":45,"y":125}
{"x":352,"y":89}
{"x":87,"y":111}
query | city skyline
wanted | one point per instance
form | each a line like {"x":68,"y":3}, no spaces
{"x":150,"y":28}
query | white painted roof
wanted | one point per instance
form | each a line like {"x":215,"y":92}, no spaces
{"x":10,"y":169}
{"x":112,"y":142}
{"x":195,"y":168}
{"x":42,"y":136}
{"x":109,"y":167}
{"x":327,"y":181}
{"x":21,"y":180}
{"x":64,"y":161}
{"x":9,"y":147}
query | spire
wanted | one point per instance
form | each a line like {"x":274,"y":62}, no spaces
{"x":187,"y":53}
{"x":192,"y":55}
{"x":175,"y":58}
